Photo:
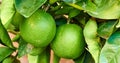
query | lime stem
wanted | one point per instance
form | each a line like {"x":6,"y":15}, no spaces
{"x":68,"y":21}
{"x":48,"y":6}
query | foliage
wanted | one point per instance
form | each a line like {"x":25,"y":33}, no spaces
{"x":98,"y":19}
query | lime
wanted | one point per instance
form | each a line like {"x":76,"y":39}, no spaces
{"x":39,"y":29}
{"x":69,"y":41}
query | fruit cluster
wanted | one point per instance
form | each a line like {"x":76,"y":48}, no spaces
{"x":86,"y":31}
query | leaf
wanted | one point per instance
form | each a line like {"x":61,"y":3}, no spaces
{"x":22,"y":50}
{"x":118,"y":24}
{"x":107,"y":9}
{"x":0,"y":11}
{"x":85,"y":58}
{"x":28,"y":7}
{"x":64,"y":10}
{"x":74,"y":3}
{"x":11,"y":59}
{"x":44,"y":57}
{"x":106,"y":29}
{"x":82,"y":18}
{"x":81,"y":58}
{"x":7,"y":12}
{"x":60,"y":21}
{"x":8,"y":60}
{"x":5,"y":37}
{"x":88,"y":58}
{"x":25,"y":48}
{"x":17,"y":18}
{"x":97,"y":2}
{"x":71,"y":1}
{"x":92,"y":39}
{"x":1,"y":43}
{"x":16,"y":38}
{"x":4,"y":52}
{"x":103,"y":9}
{"x":52,"y":1}
{"x":73,"y":12}
{"x":111,"y":50}
{"x":11,"y":27}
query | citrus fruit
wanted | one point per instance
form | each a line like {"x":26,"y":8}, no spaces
{"x":68,"y":42}
{"x":39,"y":29}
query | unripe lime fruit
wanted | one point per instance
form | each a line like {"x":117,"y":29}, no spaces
{"x":69,"y":41}
{"x":39,"y":29}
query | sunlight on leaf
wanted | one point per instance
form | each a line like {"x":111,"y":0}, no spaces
{"x":111,"y":49}
{"x":28,"y":7}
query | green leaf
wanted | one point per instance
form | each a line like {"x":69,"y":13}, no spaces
{"x":74,"y":3}
{"x":111,"y":50}
{"x":5,"y":37}
{"x":103,"y":9}
{"x":1,"y":43}
{"x":28,"y":7}
{"x":73,"y":12}
{"x":44,"y":57}
{"x":0,"y":11}
{"x":10,"y":59}
{"x":11,"y":27}
{"x":82,"y":18}
{"x":92,"y":39}
{"x":7,"y":12}
{"x":85,"y":58}
{"x":65,"y":10}
{"x":60,"y":21}
{"x":25,"y":48}
{"x":71,"y":1}
{"x":52,"y":1}
{"x":97,"y":2}
{"x":17,"y":18}
{"x":106,"y":29}
{"x":4,"y":52}
{"x":118,"y":24}
{"x":106,"y":9}
{"x":16,"y":38}
{"x":88,"y":58}
{"x":22,"y":50}
{"x":81,"y":58}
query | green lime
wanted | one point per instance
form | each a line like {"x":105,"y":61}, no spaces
{"x":39,"y":29}
{"x":69,"y":41}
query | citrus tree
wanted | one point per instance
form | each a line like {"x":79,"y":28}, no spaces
{"x":86,"y":31}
